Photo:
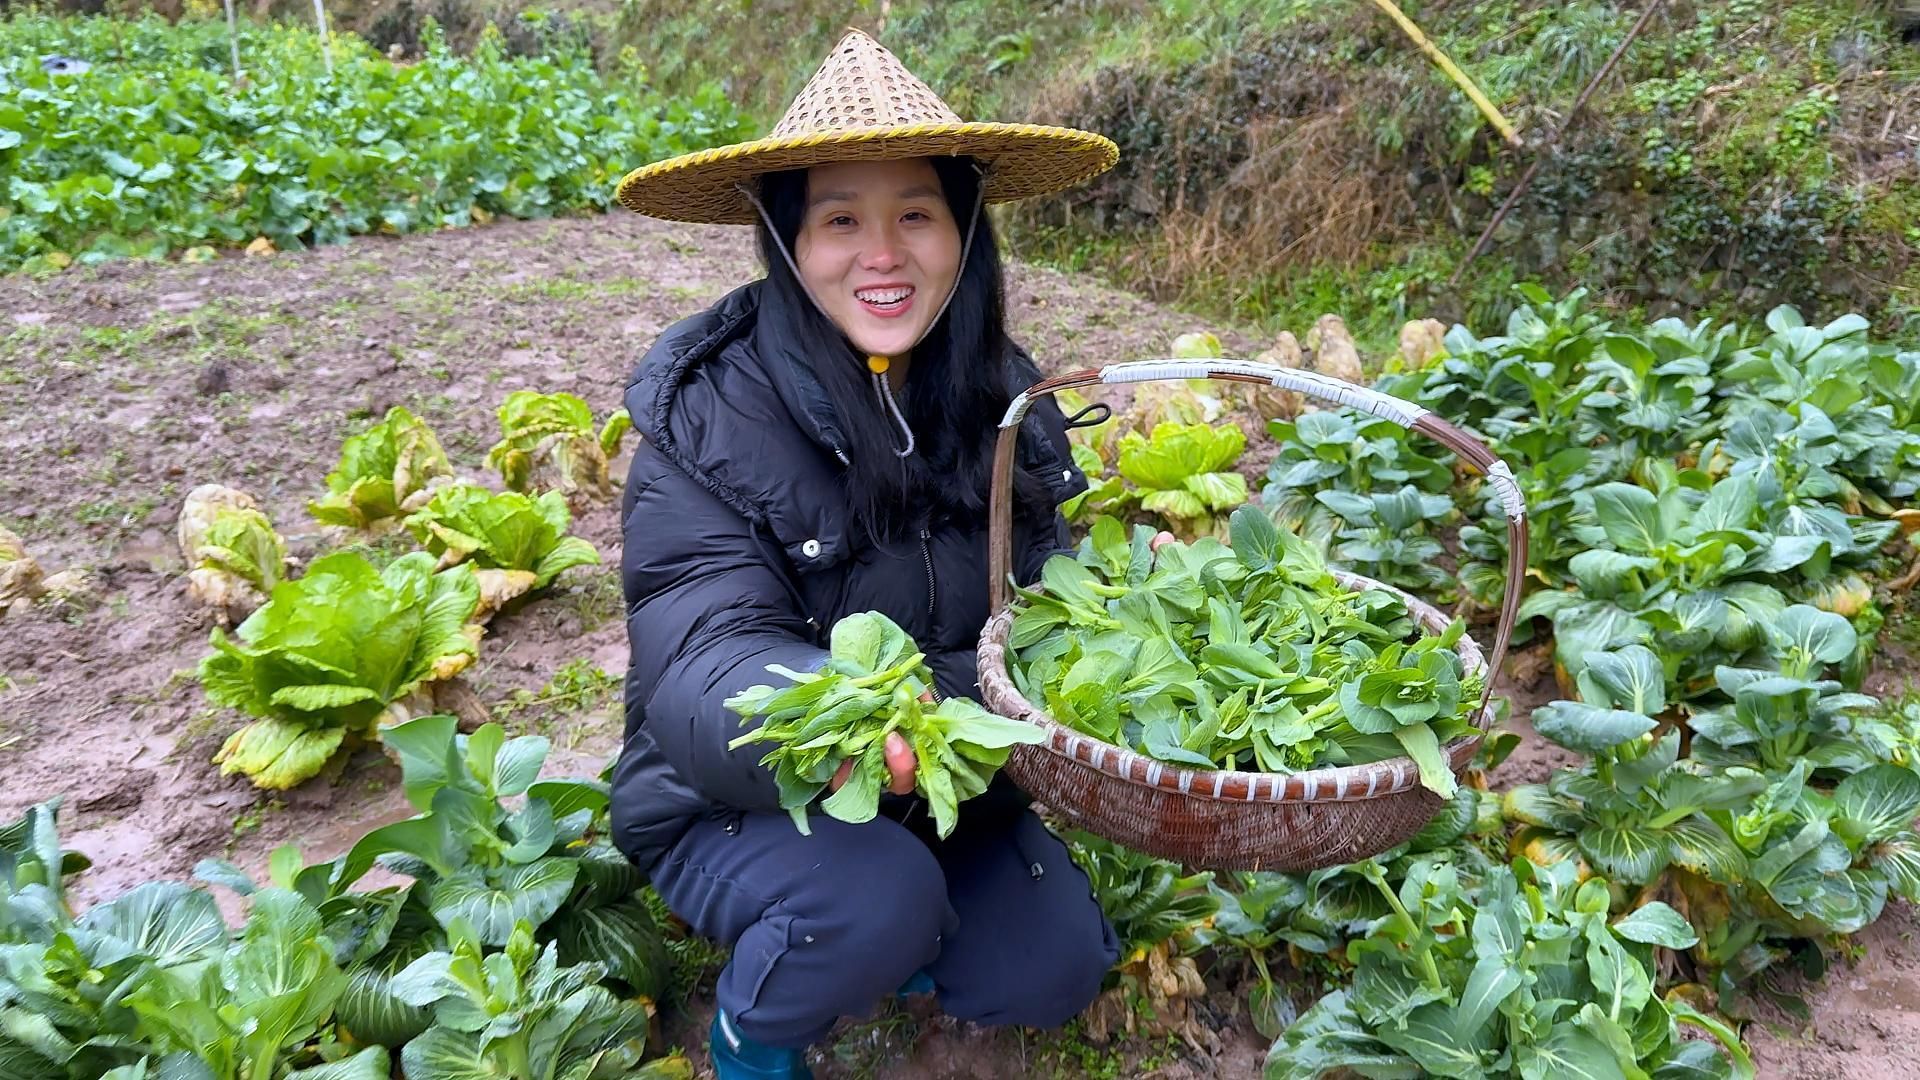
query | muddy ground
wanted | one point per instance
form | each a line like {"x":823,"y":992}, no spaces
{"x":124,"y":386}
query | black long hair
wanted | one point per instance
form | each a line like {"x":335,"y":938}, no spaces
{"x":957,"y":385}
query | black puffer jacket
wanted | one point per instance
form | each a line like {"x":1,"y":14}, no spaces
{"x":740,"y":552}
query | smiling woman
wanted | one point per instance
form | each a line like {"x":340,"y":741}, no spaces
{"x":816,"y":447}
{"x":876,"y":246}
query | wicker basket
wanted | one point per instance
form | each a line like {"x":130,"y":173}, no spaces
{"x":1235,"y":820}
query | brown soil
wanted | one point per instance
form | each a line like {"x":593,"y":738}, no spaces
{"x":124,"y":386}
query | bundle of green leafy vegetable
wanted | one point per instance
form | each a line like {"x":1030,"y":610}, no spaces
{"x":1249,"y":657}
{"x":872,"y":686}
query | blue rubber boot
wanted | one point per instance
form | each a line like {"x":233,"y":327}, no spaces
{"x":919,"y":983}
{"x":736,"y":1057}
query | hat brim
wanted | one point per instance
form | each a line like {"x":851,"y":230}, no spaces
{"x":1022,"y":161}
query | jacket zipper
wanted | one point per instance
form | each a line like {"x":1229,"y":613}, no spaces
{"x":933,"y":590}
{"x":926,"y":553}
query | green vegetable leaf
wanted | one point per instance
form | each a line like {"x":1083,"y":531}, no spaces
{"x":494,"y":901}
{"x":1434,"y":1037}
{"x":1877,"y":804}
{"x":1656,"y":924}
{"x":1586,"y":729}
{"x":1424,"y":748}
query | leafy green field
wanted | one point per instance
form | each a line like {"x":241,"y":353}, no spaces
{"x":1719,"y":582}
{"x":156,"y":149}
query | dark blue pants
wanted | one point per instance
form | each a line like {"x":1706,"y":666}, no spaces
{"x":828,"y":925}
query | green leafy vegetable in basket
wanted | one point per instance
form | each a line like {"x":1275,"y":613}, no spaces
{"x":869,"y":688}
{"x":1250,"y":657}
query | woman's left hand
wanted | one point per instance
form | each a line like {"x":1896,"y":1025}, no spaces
{"x":901,"y":762}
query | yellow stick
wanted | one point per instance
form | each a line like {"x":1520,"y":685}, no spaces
{"x":1453,"y":71}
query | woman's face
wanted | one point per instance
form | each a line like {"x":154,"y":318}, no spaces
{"x":879,"y":248}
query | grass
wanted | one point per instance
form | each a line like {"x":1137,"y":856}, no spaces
{"x":1067,"y":1053}
{"x":1680,"y":164}
{"x":595,"y":597}
{"x":1903,"y":624}
{"x":867,"y":1050}
{"x":118,"y":513}
{"x":568,"y":289}
{"x":1375,"y":298}
{"x":579,"y":687}
{"x":696,"y":961}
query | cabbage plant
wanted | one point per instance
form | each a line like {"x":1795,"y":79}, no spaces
{"x":549,"y":443}
{"x":320,"y":663}
{"x":384,"y":472}
{"x":516,"y":544}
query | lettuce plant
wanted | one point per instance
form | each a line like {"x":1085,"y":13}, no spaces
{"x":1313,"y":915}
{"x":1105,"y":490}
{"x":548,"y":443}
{"x":546,"y":863}
{"x":1160,"y":914}
{"x":1653,"y":392}
{"x":320,"y":663}
{"x":516,"y":544}
{"x":383,"y":473}
{"x":1824,"y":860}
{"x":1184,"y":473}
{"x":20,"y":575}
{"x":1341,"y":450}
{"x":1785,"y":713}
{"x":310,"y":154}
{"x":248,"y":1013}
{"x":1635,"y":808}
{"x":234,"y":557}
{"x":1531,"y":375}
{"x":1696,"y":575}
{"x":1385,"y":535}
{"x":1808,"y":374}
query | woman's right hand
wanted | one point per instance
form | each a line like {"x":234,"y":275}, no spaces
{"x":900,"y":764}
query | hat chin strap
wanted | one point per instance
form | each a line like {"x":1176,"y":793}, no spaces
{"x":878,"y":364}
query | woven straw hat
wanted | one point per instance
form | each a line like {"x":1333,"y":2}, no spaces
{"x":864,"y":105}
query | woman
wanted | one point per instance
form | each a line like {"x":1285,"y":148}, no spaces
{"x":817,"y":444}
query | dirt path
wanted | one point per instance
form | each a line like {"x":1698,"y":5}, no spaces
{"x":122,"y":387}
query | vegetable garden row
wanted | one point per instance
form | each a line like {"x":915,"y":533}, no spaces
{"x":150,"y":146}
{"x":1722,"y":519}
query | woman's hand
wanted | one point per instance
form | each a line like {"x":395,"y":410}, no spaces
{"x":901,"y":762}
{"x":1160,"y":540}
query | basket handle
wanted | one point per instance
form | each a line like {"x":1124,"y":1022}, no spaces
{"x":1322,"y":388}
